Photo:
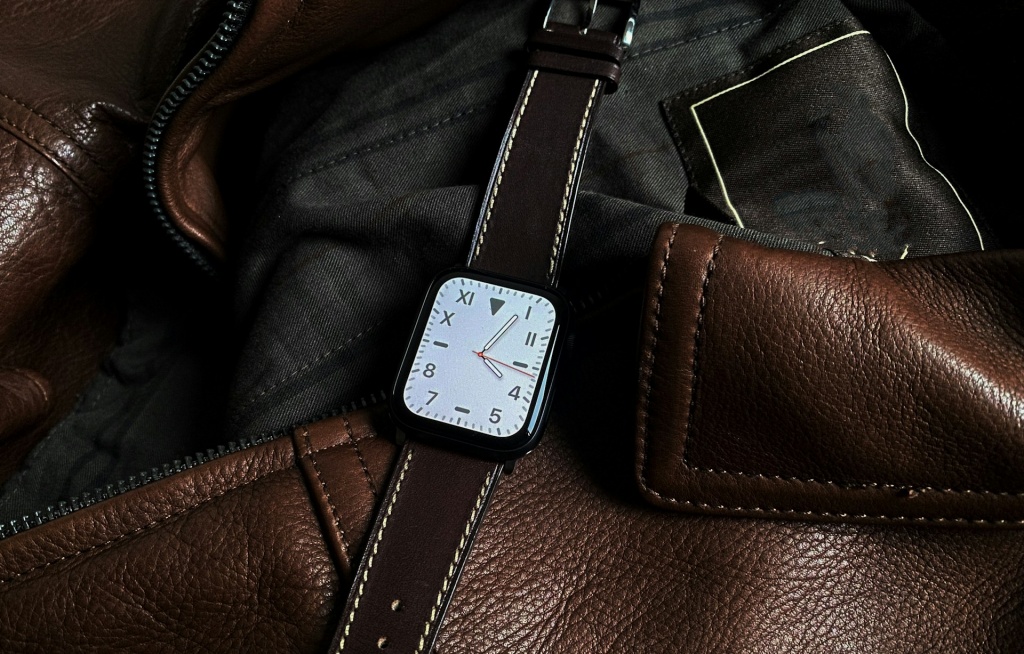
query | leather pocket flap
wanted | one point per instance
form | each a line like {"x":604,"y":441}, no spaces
{"x":793,"y":385}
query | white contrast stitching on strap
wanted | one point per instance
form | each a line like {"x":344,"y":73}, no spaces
{"x":373,"y":552}
{"x":501,"y":168}
{"x":435,"y":612}
{"x":572,"y":176}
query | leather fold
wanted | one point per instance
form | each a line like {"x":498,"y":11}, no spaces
{"x":791,"y":385}
{"x":78,"y":82}
{"x":342,"y":460}
{"x":280,"y":38}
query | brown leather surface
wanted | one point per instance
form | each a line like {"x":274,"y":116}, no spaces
{"x":231,"y":556}
{"x":78,"y":80}
{"x":281,"y":37}
{"x":248,"y":553}
{"x":525,"y":217}
{"x":569,"y":560}
{"x":788,"y":383}
{"x":226,"y":557}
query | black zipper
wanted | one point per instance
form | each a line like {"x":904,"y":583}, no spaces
{"x":213,"y":53}
{"x":217,"y":47}
{"x":84,"y":500}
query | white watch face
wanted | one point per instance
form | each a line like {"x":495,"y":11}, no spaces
{"x":480,"y":357}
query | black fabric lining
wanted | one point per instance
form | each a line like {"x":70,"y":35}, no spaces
{"x":815,"y":147}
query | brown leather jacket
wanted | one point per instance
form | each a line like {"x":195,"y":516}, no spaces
{"x":866,"y":493}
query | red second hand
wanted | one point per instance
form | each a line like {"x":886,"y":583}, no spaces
{"x":502,"y":363}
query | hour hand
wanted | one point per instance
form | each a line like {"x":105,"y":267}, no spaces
{"x":487,"y":362}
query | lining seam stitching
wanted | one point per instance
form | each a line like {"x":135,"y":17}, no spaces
{"x":309,"y":364}
{"x":423,"y":129}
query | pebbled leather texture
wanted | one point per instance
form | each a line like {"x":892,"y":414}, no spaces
{"x":236,"y":555}
{"x":229,"y":556}
{"x":569,"y":560}
{"x":781,"y":383}
{"x":78,"y":81}
{"x":280,"y":38}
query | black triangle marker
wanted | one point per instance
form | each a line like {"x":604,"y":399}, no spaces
{"x":496,"y":305}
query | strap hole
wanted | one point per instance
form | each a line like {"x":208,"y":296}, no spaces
{"x":396,"y":605}
{"x":383,"y":642}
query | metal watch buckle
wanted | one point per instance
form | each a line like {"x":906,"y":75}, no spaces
{"x":630,"y":9}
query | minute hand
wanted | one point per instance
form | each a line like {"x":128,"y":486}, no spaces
{"x":501,"y":332}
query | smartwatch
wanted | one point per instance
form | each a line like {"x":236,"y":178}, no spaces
{"x":473,"y":390}
{"x":478,"y":369}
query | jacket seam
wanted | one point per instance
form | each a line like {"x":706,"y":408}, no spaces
{"x":359,"y":455}
{"x":49,"y":121}
{"x":53,"y":156}
{"x":342,"y":443}
{"x":649,"y":369}
{"x":327,"y":494}
{"x":698,"y":341}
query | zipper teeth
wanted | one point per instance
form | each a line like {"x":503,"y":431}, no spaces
{"x":227,"y":33}
{"x":157,"y":473}
{"x":84,"y":500}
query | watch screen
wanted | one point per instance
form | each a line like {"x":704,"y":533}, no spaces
{"x":480,"y":357}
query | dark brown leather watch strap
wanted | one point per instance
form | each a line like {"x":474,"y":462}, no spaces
{"x":437,"y":498}
{"x":418,"y":545}
{"x":524,"y":220}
